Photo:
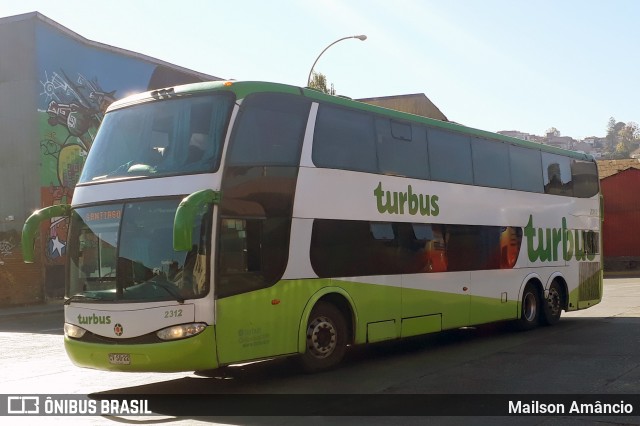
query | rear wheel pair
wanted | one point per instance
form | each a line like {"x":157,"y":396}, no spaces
{"x":535,"y":309}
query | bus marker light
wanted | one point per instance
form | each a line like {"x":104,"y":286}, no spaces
{"x":228,"y":83}
{"x":275,"y":302}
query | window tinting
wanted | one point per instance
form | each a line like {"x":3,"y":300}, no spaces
{"x":269,"y":130}
{"x":160,"y":138}
{"x":402,"y":149}
{"x":557,"y":174}
{"x":344,"y":139}
{"x":125,"y":252}
{"x":354,"y":140}
{"x":491,"y":163}
{"x":526,"y":169}
{"x":585,"y":178}
{"x":450,"y":157}
{"x":252,"y":254}
{"x":341,"y":248}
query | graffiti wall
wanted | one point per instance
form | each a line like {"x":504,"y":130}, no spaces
{"x":77,"y":81}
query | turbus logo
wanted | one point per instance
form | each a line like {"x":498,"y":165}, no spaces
{"x":94,"y":319}
{"x":409,"y":202}
{"x":574,"y":243}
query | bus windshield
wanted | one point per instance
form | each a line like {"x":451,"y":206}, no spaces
{"x":124,"y":252}
{"x":153,"y":139}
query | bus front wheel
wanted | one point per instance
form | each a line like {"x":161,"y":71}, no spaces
{"x":326,"y":338}
{"x":530,"y":308}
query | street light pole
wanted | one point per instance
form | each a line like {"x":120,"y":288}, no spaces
{"x":359,"y":37}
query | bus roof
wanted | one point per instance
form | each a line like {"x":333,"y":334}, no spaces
{"x":244,"y":88}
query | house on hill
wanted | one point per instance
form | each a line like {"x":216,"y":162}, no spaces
{"x":607,"y":168}
{"x":418,"y":104}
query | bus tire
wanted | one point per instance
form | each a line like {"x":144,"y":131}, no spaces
{"x":326,"y":338}
{"x":530,"y":308}
{"x":552,"y":305}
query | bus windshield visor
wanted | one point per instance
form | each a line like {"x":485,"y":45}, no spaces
{"x":124,"y":252}
{"x":160,"y":138}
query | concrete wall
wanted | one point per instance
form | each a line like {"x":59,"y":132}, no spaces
{"x":19,"y":161}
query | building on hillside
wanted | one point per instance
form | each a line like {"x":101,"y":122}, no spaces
{"x":418,"y":104}
{"x":585,"y":147}
{"x":564,"y":142}
{"x":517,"y":134}
{"x":54,"y":88}
{"x":620,"y":242}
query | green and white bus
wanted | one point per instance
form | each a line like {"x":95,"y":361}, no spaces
{"x":224,"y":222}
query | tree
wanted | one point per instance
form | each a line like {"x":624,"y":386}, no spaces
{"x":622,"y":138}
{"x":613,"y":135}
{"x":319,"y":82}
{"x":553,"y":132}
{"x":627,"y":139}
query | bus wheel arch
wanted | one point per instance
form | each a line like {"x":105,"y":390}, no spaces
{"x":530,"y":305}
{"x":555,"y":300}
{"x":326,"y":330}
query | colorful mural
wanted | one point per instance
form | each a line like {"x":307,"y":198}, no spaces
{"x":75,"y":109}
{"x":77,"y":82}
{"x":56,"y":86}
{"x":8,"y":241}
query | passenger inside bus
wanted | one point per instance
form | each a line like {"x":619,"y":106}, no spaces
{"x":197,"y":147}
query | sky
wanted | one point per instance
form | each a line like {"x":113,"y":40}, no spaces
{"x":488,"y":64}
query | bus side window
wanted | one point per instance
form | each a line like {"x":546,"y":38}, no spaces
{"x":526,"y":169}
{"x":585,"y":178}
{"x":450,"y":156}
{"x":402,"y":149}
{"x":269,"y":130}
{"x":253,"y":254}
{"x":557,"y":174}
{"x":344,"y":139}
{"x":510,"y":241}
{"x":491,"y":163}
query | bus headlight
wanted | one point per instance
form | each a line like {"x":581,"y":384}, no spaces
{"x":181,"y":331}
{"x":74,"y":331}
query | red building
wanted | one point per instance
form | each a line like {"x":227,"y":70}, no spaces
{"x":621,"y":245}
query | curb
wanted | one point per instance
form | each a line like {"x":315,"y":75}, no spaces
{"x":29,"y":310}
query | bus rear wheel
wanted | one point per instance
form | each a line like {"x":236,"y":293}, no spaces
{"x":530,"y":308}
{"x":553,"y":304}
{"x":326,"y":338}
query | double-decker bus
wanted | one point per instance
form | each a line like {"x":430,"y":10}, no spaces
{"x":223,"y":222}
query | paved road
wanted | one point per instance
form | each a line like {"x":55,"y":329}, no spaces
{"x":593,"y":351}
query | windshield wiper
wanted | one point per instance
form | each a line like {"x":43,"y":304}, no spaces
{"x":169,"y":289}
{"x":80,"y":297}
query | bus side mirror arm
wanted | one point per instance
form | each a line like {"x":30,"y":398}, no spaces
{"x":185,"y":216}
{"x":32,"y":224}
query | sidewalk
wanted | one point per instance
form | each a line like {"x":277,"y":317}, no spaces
{"x":53,"y":305}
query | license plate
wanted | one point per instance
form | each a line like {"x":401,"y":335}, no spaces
{"x":120,"y":359}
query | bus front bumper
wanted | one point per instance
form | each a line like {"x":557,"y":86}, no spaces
{"x":190,"y":354}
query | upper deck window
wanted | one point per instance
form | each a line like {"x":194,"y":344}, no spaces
{"x":345,"y":139}
{"x":169,"y":137}
{"x":269,"y":130}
